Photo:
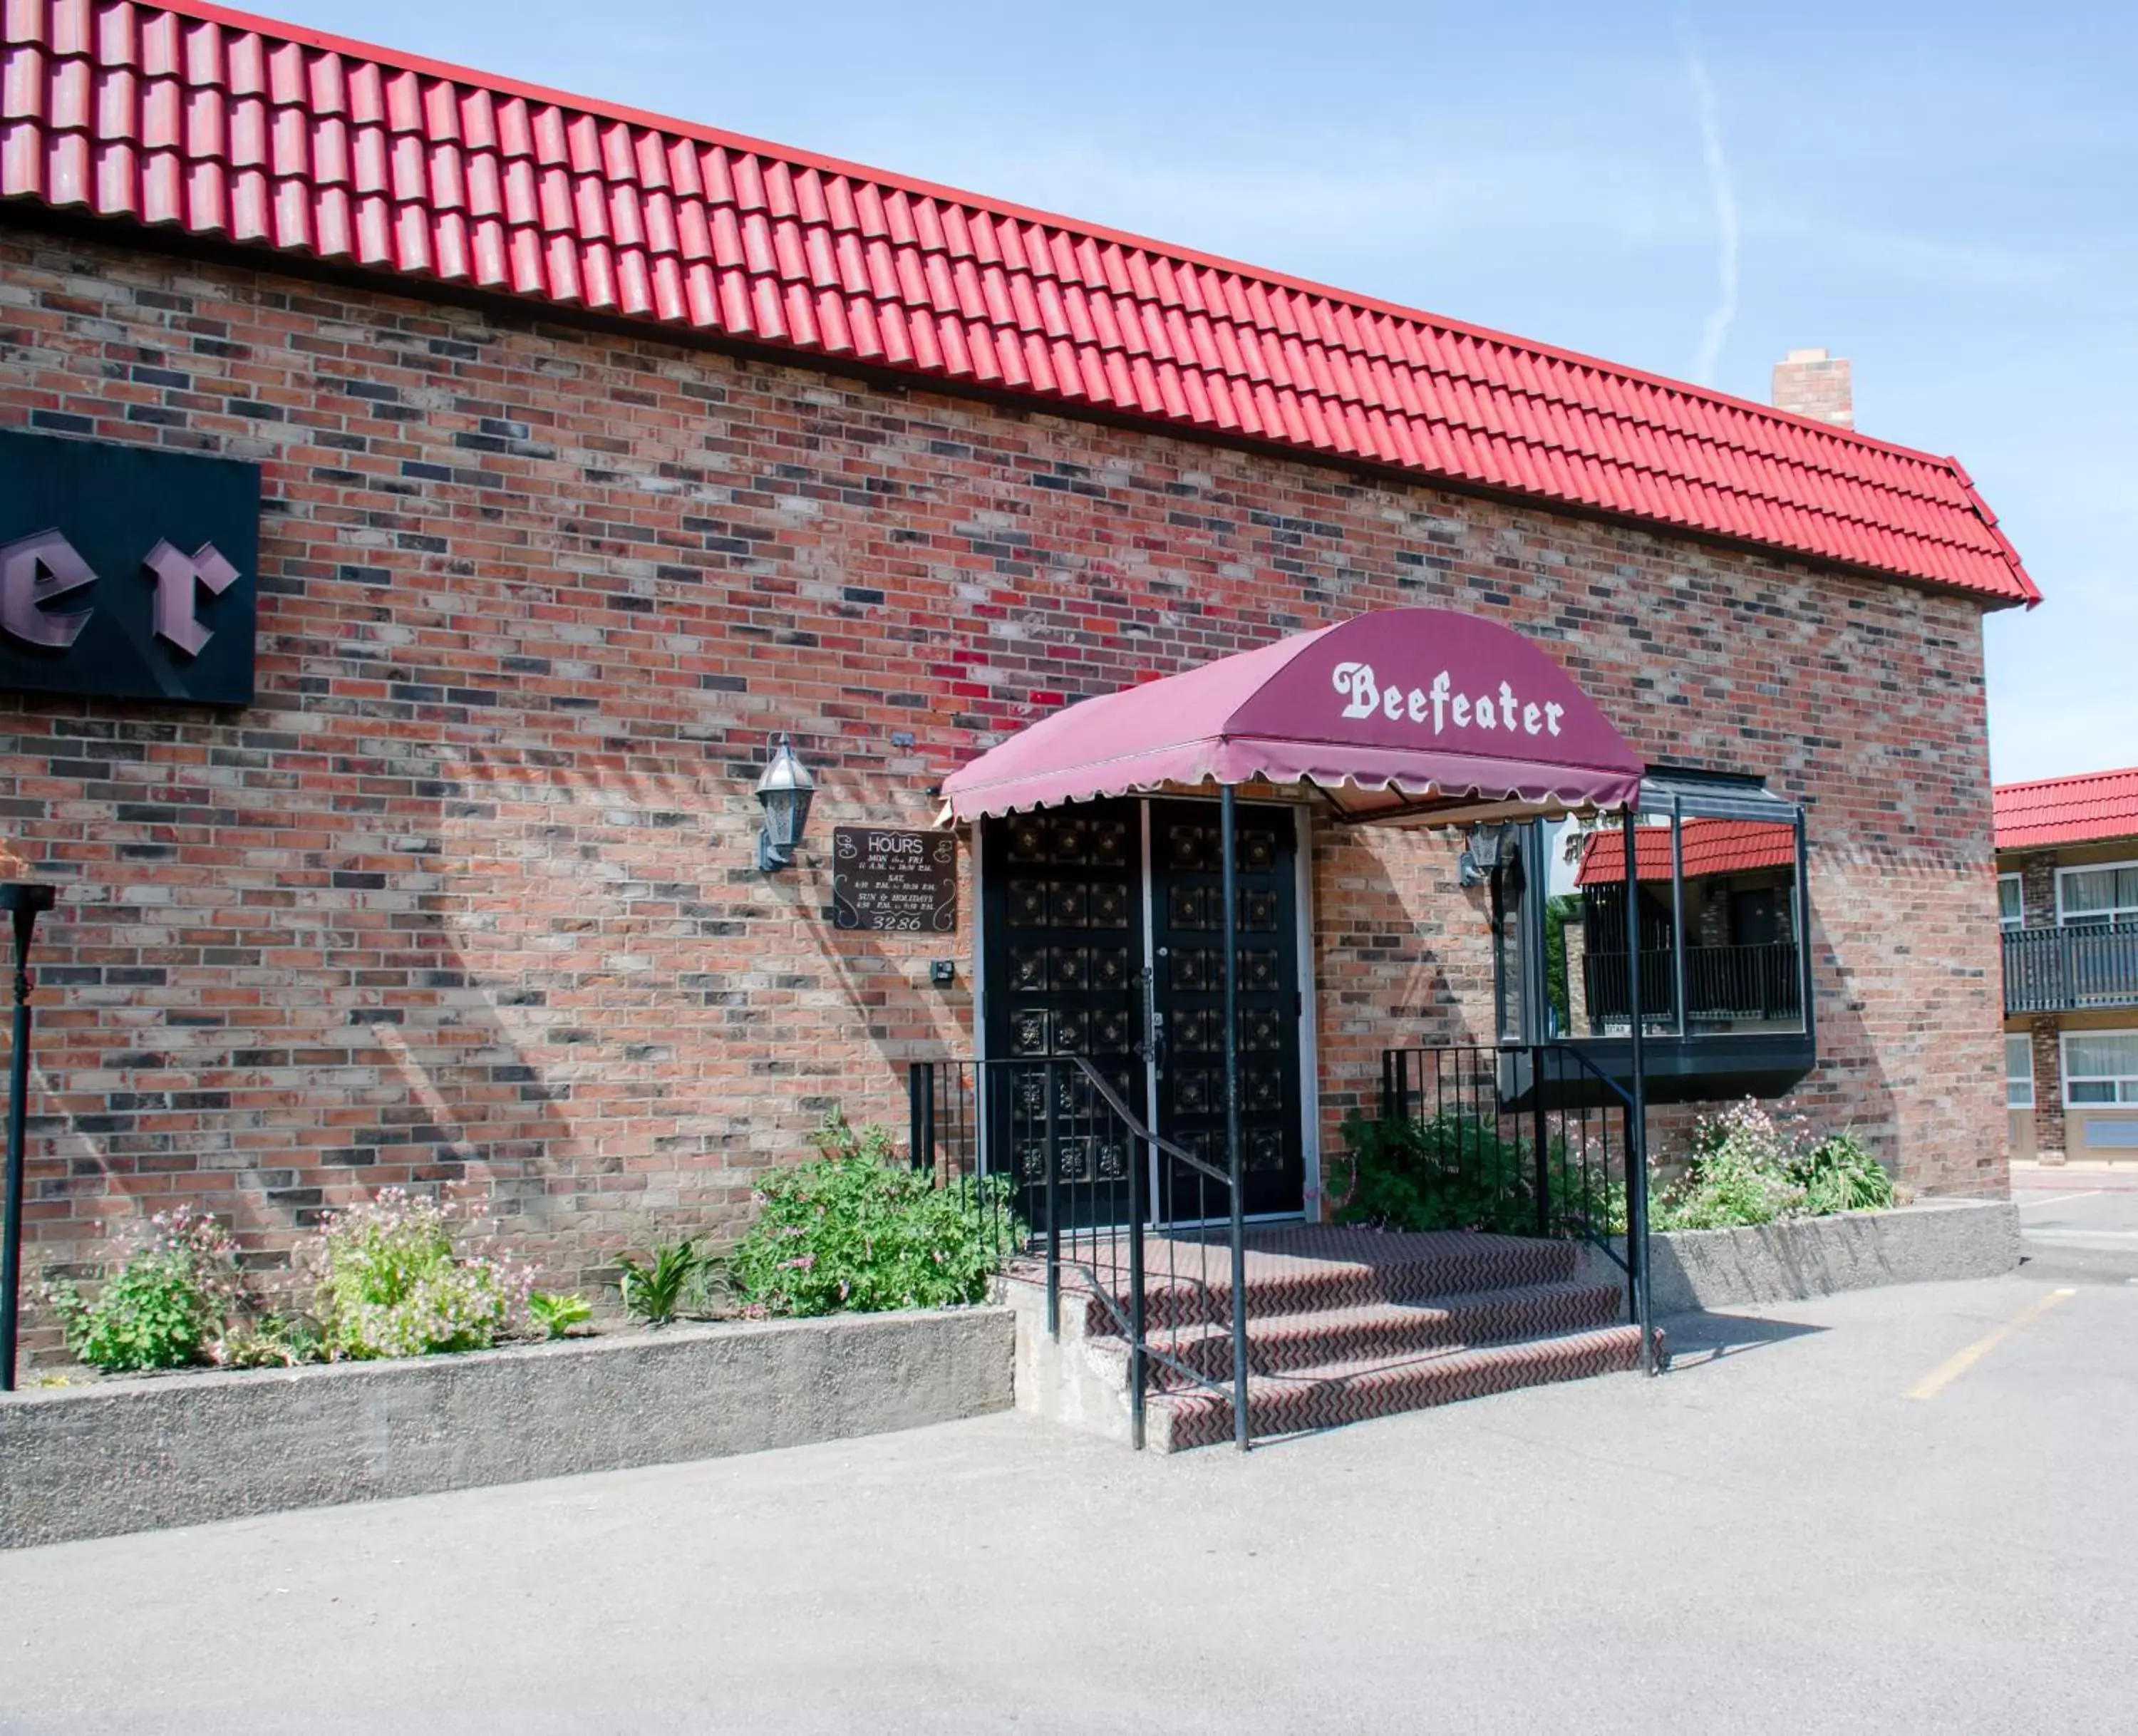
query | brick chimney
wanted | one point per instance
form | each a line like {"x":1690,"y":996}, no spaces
{"x":1811,"y":382}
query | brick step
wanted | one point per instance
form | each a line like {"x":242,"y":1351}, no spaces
{"x":1388,"y":1330}
{"x":1329,"y":1395}
{"x":1193,"y":1285}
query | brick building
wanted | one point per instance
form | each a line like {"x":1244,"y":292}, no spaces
{"x":595,"y":452}
{"x":2067,"y":917}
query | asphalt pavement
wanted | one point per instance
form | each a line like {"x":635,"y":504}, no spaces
{"x":1897,"y":1511}
{"x":2079,"y":1222}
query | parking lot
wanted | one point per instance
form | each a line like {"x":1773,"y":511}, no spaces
{"x":2081,"y":1221}
{"x":1891,"y":1510}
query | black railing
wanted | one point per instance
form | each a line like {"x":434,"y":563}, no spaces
{"x":1740,"y":983}
{"x":2060,"y":970}
{"x":1519,"y":1140}
{"x":1083,"y":1170}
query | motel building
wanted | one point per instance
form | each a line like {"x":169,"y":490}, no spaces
{"x":2068,"y":921}
{"x":434,"y":507}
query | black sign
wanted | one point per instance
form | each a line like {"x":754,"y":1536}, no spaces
{"x":125,"y":570}
{"x":902,"y":882}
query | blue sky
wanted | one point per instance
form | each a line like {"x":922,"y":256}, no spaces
{"x":1947,"y":194}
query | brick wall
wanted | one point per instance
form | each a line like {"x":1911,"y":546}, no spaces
{"x":470,"y":886}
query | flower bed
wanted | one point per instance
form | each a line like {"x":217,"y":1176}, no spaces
{"x":1793,"y":1259}
{"x":412,"y":1274}
{"x":133,"y":1455}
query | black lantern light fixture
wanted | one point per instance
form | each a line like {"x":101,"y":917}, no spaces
{"x":1482,"y":849}
{"x":786,"y":790}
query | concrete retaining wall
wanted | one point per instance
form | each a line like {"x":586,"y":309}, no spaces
{"x":1814,"y":1256}
{"x":137,"y":1455}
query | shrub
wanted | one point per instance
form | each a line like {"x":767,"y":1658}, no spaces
{"x":1744,"y":1168}
{"x":173,"y":1303}
{"x":655,"y":1288}
{"x":272,"y":1341}
{"x":393,"y":1278}
{"x":557,"y":1316}
{"x":1837,"y":1175}
{"x":855,"y":1229}
{"x":1740,"y":1170}
{"x":1458,"y":1173}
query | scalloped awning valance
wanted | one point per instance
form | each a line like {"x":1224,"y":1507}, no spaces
{"x":1405,"y":714}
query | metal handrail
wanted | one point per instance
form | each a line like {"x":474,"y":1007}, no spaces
{"x":1132,"y":1320}
{"x":1473,"y":1065}
{"x":1135,"y":1125}
{"x":2063,"y":969}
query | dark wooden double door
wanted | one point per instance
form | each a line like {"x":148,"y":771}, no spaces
{"x":1104,"y":939}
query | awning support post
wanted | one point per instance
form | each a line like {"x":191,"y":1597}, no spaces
{"x":1228,"y":855}
{"x":1636,"y":1113}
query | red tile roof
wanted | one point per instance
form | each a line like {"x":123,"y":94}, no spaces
{"x":1711,"y":847}
{"x":223,"y":125}
{"x":2067,"y":810}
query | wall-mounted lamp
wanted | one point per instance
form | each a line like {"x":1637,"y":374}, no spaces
{"x":785,"y":790}
{"x":1480,"y":854}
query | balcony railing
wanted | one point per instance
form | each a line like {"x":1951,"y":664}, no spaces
{"x":2058,"y":970}
{"x":1739,"y":984}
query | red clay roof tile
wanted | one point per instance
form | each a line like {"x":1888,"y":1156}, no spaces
{"x":167,"y":113}
{"x":2075,"y":810}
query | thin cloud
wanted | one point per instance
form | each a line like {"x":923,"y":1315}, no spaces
{"x":1714,"y":330}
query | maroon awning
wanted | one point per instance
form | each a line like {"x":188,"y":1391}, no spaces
{"x":1409,"y":712}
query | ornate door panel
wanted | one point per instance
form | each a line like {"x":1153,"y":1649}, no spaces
{"x":1188,"y":916}
{"x":1063,"y":973}
{"x":1062,"y":976}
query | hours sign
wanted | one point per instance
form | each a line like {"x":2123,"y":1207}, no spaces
{"x":899,"y":882}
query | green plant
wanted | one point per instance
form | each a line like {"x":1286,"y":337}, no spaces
{"x":171,"y":1302}
{"x":558,"y":1314}
{"x":272,"y":1341}
{"x":1837,"y":1174}
{"x":654,"y":1290}
{"x":856,"y":1229}
{"x":1451,"y":1171}
{"x":1740,"y":1170}
{"x":835,"y":1137}
{"x":392,"y":1278}
{"x":1744,"y":1167}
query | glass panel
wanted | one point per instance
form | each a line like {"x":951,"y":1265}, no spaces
{"x":2090,"y":890}
{"x":2100,"y":1053}
{"x":1566,"y":1010}
{"x":2092,"y":897}
{"x":1585,"y":924}
{"x":1510,"y":912}
{"x":1741,"y":917}
{"x":2092,"y":1090}
{"x":2019,"y":1072}
{"x":2011,"y":908}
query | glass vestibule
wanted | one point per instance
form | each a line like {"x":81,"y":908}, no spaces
{"x":1720,"y":914}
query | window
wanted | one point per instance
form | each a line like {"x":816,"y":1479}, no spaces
{"x":1509,"y":904}
{"x":2019,"y":1071}
{"x":2011,"y":903}
{"x":2100,"y":1066}
{"x":1717,"y":906}
{"x":2098,"y":897}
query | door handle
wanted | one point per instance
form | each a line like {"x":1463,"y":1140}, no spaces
{"x":1154,"y":1023}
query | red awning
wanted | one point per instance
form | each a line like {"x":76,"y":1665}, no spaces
{"x":1410,"y":713}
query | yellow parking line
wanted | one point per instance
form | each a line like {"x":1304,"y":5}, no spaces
{"x":2061,"y":1199}
{"x":1950,"y":1370}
